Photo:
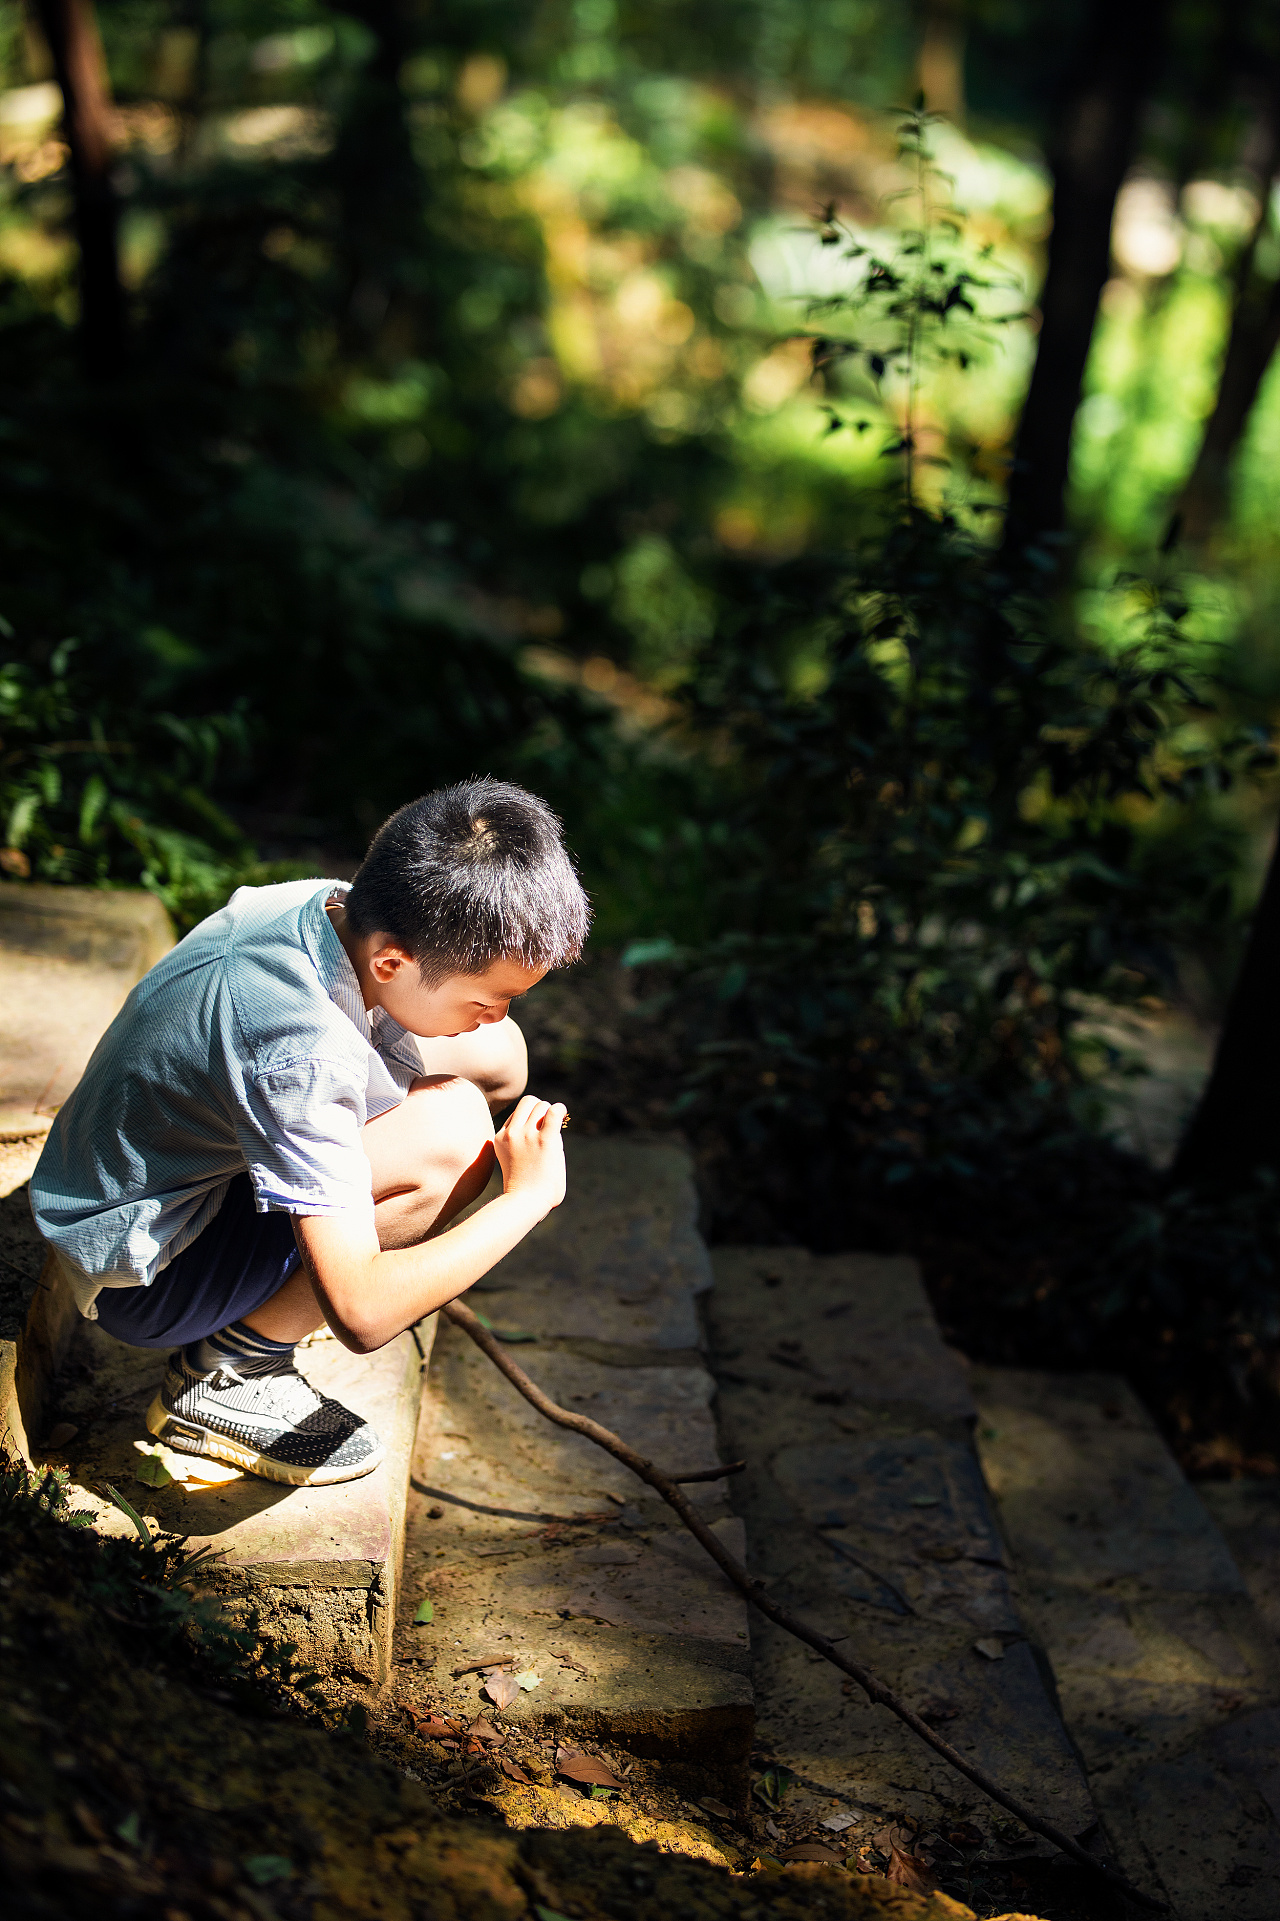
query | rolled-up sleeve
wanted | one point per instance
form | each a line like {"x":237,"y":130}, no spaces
{"x":300,"y":1136}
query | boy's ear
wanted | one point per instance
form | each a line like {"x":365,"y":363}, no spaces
{"x":387,"y":959}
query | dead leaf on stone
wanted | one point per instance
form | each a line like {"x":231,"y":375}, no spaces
{"x":513,"y":1771}
{"x":841,"y":1820}
{"x":502,"y":1688}
{"x":908,"y":1870}
{"x":814,"y":1851}
{"x":715,"y":1807}
{"x":482,"y":1730}
{"x":529,"y":1679}
{"x":434,"y":1727}
{"x":989,"y":1648}
{"x":585,"y":1768}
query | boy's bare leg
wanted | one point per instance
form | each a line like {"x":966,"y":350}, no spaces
{"x":430,"y":1157}
{"x":494,"y":1057}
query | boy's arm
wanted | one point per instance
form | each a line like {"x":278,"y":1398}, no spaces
{"x":370,"y":1295}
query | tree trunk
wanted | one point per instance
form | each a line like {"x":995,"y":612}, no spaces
{"x":1254,"y":334}
{"x":71,"y":29}
{"x":941,"y":64}
{"x":1090,"y":157}
{"x":1236,"y":1127}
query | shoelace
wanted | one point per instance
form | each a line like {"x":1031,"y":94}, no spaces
{"x":288,"y":1390}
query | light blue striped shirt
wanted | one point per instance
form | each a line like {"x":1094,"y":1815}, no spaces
{"x":247,"y":1046}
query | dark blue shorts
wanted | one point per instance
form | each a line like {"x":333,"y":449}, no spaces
{"x":233,"y":1265}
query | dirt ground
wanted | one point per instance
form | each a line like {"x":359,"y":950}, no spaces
{"x":140,"y":1779}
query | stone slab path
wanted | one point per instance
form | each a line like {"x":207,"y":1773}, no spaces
{"x":68,"y":957}
{"x":316,"y":1566}
{"x":866,"y":1513}
{"x":530,"y":1541}
{"x":1168,"y":1674}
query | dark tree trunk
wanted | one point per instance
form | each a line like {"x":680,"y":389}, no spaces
{"x":1091,"y":154}
{"x":941,"y":62}
{"x":1254,"y":334}
{"x":1236,"y":1127}
{"x":71,"y":29}
{"x":380,"y":188}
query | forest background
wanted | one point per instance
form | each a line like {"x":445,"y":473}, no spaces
{"x":858,"y":517}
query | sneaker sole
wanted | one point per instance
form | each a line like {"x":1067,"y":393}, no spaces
{"x":180,"y":1435}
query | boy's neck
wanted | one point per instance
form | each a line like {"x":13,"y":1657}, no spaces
{"x":351,"y":946}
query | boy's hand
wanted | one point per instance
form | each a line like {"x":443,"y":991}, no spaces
{"x":530,"y":1149}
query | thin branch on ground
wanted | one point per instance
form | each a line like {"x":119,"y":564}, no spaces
{"x":875,"y":1689}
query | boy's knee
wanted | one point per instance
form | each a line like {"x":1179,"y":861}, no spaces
{"x":506,"y":1072}
{"x":451,"y":1119}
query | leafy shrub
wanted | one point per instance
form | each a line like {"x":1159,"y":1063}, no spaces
{"x":92,"y":794}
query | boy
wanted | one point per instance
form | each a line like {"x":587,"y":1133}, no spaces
{"x":260,"y":1146}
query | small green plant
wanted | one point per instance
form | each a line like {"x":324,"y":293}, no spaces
{"x":96,"y":795}
{"x":924,"y":303}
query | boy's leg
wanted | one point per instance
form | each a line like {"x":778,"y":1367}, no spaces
{"x":430,"y":1158}
{"x":494,"y":1057}
{"x":235,"y":1394}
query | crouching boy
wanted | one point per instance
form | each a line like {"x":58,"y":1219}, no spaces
{"x":294,"y":1103}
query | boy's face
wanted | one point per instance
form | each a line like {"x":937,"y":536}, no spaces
{"x":458,"y":1004}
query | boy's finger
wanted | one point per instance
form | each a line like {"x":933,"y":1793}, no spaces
{"x":554,"y":1118}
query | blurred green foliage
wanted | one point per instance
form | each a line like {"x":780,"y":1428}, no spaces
{"x":613,"y":395}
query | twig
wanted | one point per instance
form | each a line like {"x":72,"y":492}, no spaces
{"x":875,"y":1689}
{"x":709,"y":1474}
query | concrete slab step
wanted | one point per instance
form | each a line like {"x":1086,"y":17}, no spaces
{"x":530,"y":1541}
{"x":1167,"y":1674}
{"x":867,"y":1514}
{"x":318,"y":1567}
{"x":315,"y":1566}
{"x":68,"y":958}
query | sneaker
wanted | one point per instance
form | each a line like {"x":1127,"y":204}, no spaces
{"x":275,"y":1425}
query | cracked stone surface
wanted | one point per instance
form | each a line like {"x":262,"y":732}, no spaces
{"x":1167,"y":1673}
{"x":530,"y":1541}
{"x":867,"y":1515}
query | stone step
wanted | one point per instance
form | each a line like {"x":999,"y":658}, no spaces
{"x":866,"y":1513}
{"x":1168,"y":1675}
{"x":529,"y":1540}
{"x":68,"y":958}
{"x":315,"y":1566}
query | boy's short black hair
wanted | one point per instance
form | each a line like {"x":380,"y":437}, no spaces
{"x":470,"y":875}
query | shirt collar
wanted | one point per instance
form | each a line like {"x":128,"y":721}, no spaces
{"x":337,"y":975}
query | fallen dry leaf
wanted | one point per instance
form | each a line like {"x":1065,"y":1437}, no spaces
{"x":585,"y":1768}
{"x":513,"y":1770}
{"x":434,"y":1727}
{"x":841,"y":1820}
{"x":908,"y":1870}
{"x":989,"y":1648}
{"x":482,"y":1730}
{"x":814,"y":1851}
{"x":715,"y":1807}
{"x":529,"y":1680}
{"x":502,"y":1688}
